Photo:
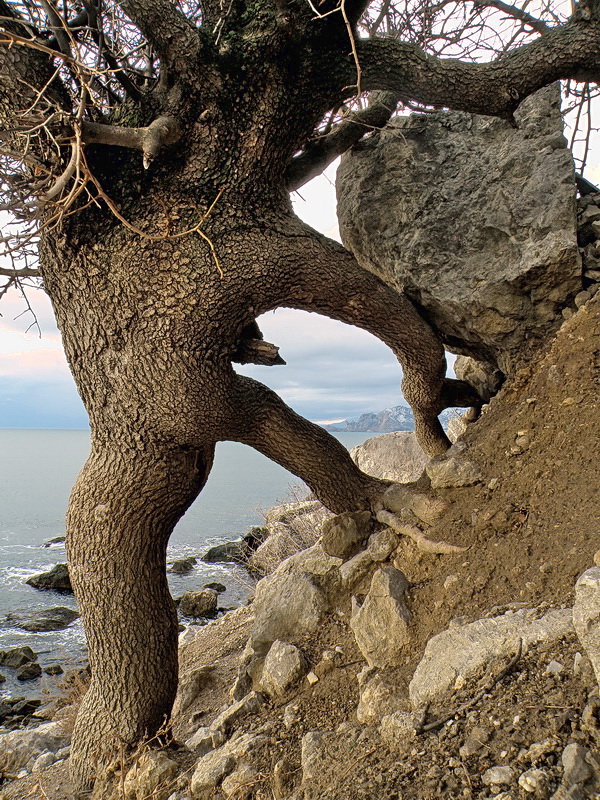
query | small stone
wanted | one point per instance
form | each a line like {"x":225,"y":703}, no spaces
{"x":535,"y":781}
{"x":575,"y":767}
{"x":498,"y":776}
{"x":312,"y":678}
{"x":581,"y":298}
{"x":450,"y":581}
{"x":597,"y":558}
{"x":577,"y":659}
{"x":567,"y":313}
{"x":291,"y":715}
{"x":554,"y":668}
{"x":476,"y":739}
{"x":492,"y":484}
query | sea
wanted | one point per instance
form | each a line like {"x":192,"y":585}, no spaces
{"x":37,"y":470}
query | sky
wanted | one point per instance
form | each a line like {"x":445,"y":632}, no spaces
{"x":333,"y":371}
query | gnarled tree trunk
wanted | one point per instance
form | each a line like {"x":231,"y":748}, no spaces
{"x":158,"y":264}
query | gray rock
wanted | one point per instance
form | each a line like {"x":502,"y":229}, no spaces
{"x":485,"y":378}
{"x":212,"y":768}
{"x":289,"y":511}
{"x":55,"y":540}
{"x":343,"y":535}
{"x":284,"y":779}
{"x":295,"y":598}
{"x":283,"y":667}
{"x":382,"y":544}
{"x":535,"y":782}
{"x":356,"y":573}
{"x":586,"y":615}
{"x":29,"y":672}
{"x":50,"y":619}
{"x":451,"y":471}
{"x":397,"y":728}
{"x":204,"y":740}
{"x":428,"y":509}
{"x":464,"y":650}
{"x":474,"y":218}
{"x":56,"y":579}
{"x":281,"y":543}
{"x":498,"y":776}
{"x":380,"y":625}
{"x":249,"y":704}
{"x":199,"y":604}
{"x":183,"y":565}
{"x":190,"y":686}
{"x":240,"y":783}
{"x":53,"y":669}
{"x":17,"y":656}
{"x":391,"y":456}
{"x":314,"y":754}
{"x":152,"y":775}
{"x":575,"y":767}
{"x":378,"y":698}
{"x":43,"y":761}
{"x":19,"y":747}
{"x":236,"y":552}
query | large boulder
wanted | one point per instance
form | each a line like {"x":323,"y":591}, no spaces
{"x":391,"y":456}
{"x":474,"y":219}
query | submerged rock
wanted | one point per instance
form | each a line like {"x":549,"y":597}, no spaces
{"x":50,"y":619}
{"x":17,"y":656}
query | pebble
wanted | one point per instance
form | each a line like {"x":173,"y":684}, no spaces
{"x":575,"y":767}
{"x":554,"y":668}
{"x":535,"y":781}
{"x":312,"y":678}
{"x":498,"y":776}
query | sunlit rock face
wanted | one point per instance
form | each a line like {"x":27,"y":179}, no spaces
{"x":474,"y":219}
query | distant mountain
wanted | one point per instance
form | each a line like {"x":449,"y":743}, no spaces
{"x":398,"y":418}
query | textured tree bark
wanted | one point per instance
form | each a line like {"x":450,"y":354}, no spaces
{"x":122,"y":510}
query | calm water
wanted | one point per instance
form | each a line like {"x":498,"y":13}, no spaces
{"x":37,"y":470}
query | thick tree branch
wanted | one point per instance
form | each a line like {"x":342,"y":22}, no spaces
{"x":319,"y":154}
{"x":151,"y":140}
{"x":166,"y":27}
{"x":497,"y":88}
{"x":26,"y":272}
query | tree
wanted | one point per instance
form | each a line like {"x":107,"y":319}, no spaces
{"x":148,"y":148}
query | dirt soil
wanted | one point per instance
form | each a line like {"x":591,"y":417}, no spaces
{"x":531,"y":527}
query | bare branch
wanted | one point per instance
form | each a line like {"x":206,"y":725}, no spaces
{"x":320,"y":153}
{"x":516,"y":13}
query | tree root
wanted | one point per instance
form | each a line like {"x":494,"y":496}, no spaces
{"x":417,"y":535}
